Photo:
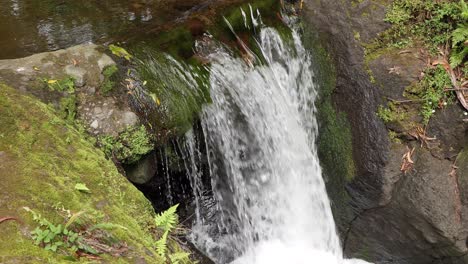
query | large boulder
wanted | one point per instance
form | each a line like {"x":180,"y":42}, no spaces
{"x":86,"y":64}
{"x":42,"y":159}
{"x":388,"y":215}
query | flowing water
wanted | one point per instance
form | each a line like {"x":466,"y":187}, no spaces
{"x":260,"y":131}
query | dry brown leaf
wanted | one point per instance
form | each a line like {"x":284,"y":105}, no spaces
{"x":407,"y":163}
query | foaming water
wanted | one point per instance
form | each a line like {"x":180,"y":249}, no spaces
{"x":260,"y":133}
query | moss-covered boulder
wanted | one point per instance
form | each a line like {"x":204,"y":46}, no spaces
{"x":50,"y":167}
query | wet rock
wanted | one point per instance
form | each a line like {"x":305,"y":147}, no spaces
{"x":418,"y":217}
{"x":421,"y":222}
{"x":142,"y":171}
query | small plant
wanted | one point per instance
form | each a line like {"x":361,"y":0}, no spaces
{"x":432,"y":90}
{"x":62,"y":85}
{"x":54,"y":237}
{"x":129,"y":146}
{"x":108,"y":84}
{"x":67,"y":109}
{"x":74,"y":236}
{"x":416,"y":21}
{"x":167,"y":221}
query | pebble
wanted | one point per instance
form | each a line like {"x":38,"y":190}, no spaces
{"x":95,"y":124}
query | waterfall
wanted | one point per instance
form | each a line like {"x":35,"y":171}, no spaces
{"x":260,"y":132}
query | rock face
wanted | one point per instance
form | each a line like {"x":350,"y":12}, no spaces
{"x":85,"y":64}
{"x":416,"y":217}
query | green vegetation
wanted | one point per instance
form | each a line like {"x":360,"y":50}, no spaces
{"x":129,"y":146}
{"x":37,"y":148}
{"x":460,"y":38}
{"x":435,"y":26}
{"x":391,"y":113}
{"x":63,"y":85}
{"x":108,"y":84}
{"x":429,"y":22}
{"x":77,"y":234}
{"x":67,"y":108}
{"x":432,"y":91}
{"x":167,"y":221}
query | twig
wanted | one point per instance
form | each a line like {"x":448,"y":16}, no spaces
{"x":456,"y":89}
{"x":405,"y":101}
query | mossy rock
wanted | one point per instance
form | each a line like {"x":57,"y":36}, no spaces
{"x":42,"y":158}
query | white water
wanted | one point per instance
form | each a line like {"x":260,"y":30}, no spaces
{"x":260,"y":130}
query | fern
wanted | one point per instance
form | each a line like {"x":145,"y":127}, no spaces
{"x":457,"y":56}
{"x":161,"y":245}
{"x":168,"y":219}
{"x":464,"y":9}
{"x":460,"y":35}
{"x":180,"y":258}
{"x":459,"y":39}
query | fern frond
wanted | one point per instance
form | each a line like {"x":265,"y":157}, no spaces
{"x":459,"y":35}
{"x":161,"y":245}
{"x":168,"y":219}
{"x":464,"y":9}
{"x":73,"y":218}
{"x":179,"y":258}
{"x":457,"y":56}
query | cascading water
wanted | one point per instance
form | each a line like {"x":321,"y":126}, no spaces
{"x":260,"y":132}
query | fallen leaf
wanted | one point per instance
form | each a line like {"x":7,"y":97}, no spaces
{"x":82,"y":187}
{"x":51,"y":81}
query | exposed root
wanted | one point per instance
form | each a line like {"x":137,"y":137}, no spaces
{"x":419,"y":133}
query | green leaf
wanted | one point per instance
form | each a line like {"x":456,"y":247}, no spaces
{"x":161,"y":245}
{"x":168,"y":219}
{"x":120,"y":52}
{"x":179,"y":257}
{"x":82,"y":188}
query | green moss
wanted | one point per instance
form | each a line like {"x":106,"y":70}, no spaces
{"x":391,"y":113}
{"x":178,"y":91}
{"x":335,"y":147}
{"x":394,"y":137}
{"x":129,"y":146}
{"x":42,"y":158}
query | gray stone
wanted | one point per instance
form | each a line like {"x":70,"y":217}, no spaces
{"x":105,"y":61}
{"x":77,"y":73}
{"x":142,"y":171}
{"x":129,"y":118}
{"x":95,"y":124}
